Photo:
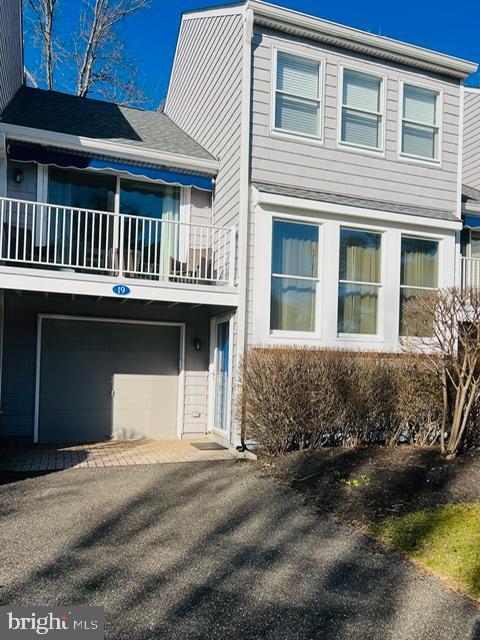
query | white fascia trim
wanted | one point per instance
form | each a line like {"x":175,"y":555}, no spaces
{"x":472,"y":89}
{"x":289,"y":202}
{"x":359,"y":40}
{"x":470,"y":207}
{"x":117,"y":149}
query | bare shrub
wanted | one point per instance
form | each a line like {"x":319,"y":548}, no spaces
{"x":445,"y":324}
{"x":294,"y":398}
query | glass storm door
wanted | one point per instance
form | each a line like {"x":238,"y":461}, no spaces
{"x":222,"y":360}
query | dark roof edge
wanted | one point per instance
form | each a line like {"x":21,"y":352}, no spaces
{"x":351,"y":201}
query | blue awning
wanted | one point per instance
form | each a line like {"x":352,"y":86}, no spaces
{"x":471,"y":222}
{"x":25,"y":153}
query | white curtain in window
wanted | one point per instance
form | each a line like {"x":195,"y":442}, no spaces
{"x":170,"y":232}
{"x":419,"y":263}
{"x":294,"y":253}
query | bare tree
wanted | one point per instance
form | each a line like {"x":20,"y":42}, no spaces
{"x":445,"y":326}
{"x":43,"y":12}
{"x":102,"y":64}
{"x":95,"y":58}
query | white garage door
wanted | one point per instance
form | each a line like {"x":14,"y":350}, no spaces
{"x":107,"y":379}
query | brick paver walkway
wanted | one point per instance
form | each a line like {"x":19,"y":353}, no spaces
{"x":104,"y":454}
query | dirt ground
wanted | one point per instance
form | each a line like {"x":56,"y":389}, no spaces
{"x":362,"y":485}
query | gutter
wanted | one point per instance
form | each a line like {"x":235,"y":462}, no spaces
{"x":117,"y":149}
{"x":347,"y":37}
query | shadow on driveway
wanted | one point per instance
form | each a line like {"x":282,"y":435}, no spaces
{"x":211,"y":550}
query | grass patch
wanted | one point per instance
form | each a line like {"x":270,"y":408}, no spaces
{"x":445,"y":540}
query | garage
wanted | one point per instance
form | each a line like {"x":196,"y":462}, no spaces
{"x":99,"y":379}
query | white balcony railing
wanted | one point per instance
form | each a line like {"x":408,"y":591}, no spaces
{"x":83,"y":240}
{"x":470,"y":272}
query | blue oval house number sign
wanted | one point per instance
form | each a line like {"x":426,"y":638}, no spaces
{"x":121,"y":290}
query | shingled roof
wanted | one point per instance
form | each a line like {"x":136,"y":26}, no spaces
{"x":85,"y":117}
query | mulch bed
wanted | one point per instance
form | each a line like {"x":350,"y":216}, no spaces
{"x":362,"y":485}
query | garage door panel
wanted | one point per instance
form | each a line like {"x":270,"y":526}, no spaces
{"x":88,"y":365}
{"x":145,"y":338}
{"x":143,"y":404}
{"x":68,"y":335}
{"x":77,"y":394}
{"x":84,"y":360}
{"x":76,"y":426}
{"x":142,"y":363}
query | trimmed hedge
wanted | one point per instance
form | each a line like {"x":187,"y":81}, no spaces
{"x":293,"y":398}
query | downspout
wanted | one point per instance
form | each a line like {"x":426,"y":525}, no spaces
{"x":458,"y":245}
{"x":244,"y":197}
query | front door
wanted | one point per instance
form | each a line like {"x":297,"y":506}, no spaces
{"x":222,"y":375}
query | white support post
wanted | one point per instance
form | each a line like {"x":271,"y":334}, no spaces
{"x":231,"y":262}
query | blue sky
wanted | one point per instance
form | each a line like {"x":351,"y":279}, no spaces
{"x":450,"y":27}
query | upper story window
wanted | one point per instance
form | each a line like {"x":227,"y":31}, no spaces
{"x":420,"y":122}
{"x":294,"y":276}
{"x":362,"y":110}
{"x":297,"y":95}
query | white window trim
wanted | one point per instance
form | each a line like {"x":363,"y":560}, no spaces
{"x":408,"y":157}
{"x":379,"y":334}
{"x":312,"y":57}
{"x":351,"y":146}
{"x":284,"y":333}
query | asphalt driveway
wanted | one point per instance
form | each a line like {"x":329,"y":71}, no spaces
{"x":210,"y":550}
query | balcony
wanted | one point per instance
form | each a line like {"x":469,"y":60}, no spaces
{"x":113,"y":250}
{"x":470,"y":272}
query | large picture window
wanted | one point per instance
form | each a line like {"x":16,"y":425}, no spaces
{"x":362,"y":117}
{"x":418,"y":273}
{"x":294,"y":276}
{"x":297,"y":95}
{"x":420,"y":122}
{"x":359,"y":281}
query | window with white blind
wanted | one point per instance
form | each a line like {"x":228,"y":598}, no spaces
{"x":420,"y":122}
{"x":297,"y":95}
{"x":362,"y":110}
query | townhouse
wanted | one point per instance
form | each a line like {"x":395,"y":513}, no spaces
{"x":303,"y":182}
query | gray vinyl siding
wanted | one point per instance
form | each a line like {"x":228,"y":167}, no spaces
{"x":204,"y":99}
{"x":310,"y":165}
{"x":11,"y":50}
{"x":27,"y":189}
{"x":471,"y":139}
{"x":20,"y":344}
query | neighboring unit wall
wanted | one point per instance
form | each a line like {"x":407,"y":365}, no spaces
{"x":11,"y":50}
{"x":204,"y":98}
{"x":471,"y":138}
{"x":27,"y":188}
{"x":322,"y":165}
{"x":20,"y":344}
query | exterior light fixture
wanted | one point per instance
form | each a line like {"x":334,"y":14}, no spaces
{"x":197,"y":344}
{"x":18,"y":176}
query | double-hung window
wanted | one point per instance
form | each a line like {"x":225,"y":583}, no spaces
{"x":294,"y":276}
{"x":297,"y":95}
{"x":362,"y":110}
{"x":359,"y":281}
{"x":420,"y":122}
{"x":418,"y":274}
